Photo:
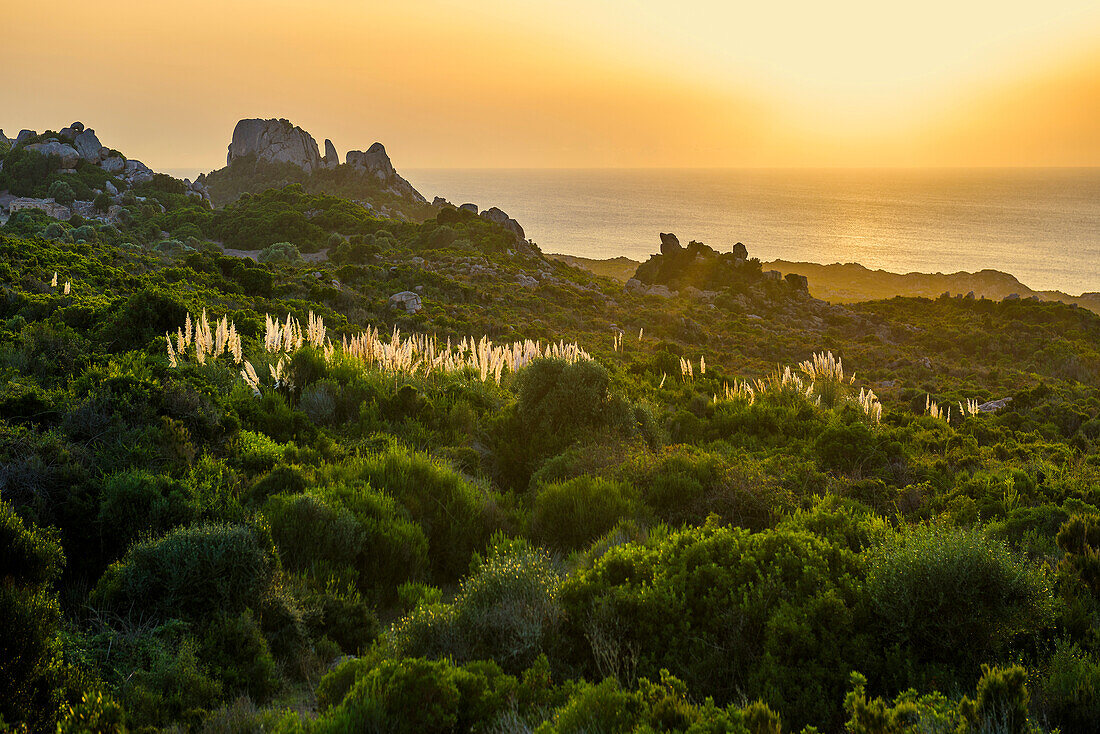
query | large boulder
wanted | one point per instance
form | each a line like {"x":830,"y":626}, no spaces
{"x":407,"y":301}
{"x":493,"y":214}
{"x":472,"y":208}
{"x":88,"y":145}
{"x":670,"y":244}
{"x":276,"y":141}
{"x":24,"y":136}
{"x":740,"y":252}
{"x":67,"y":153}
{"x":113,"y":164}
{"x":137,"y":172}
{"x":798,"y":282}
{"x":70,"y":132}
{"x":332,"y":158}
{"x":376,"y":162}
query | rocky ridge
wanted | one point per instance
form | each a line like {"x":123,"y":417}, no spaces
{"x":280,"y":141}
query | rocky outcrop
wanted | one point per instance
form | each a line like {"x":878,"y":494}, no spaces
{"x":376,"y":162}
{"x":70,"y":132}
{"x":670,"y":244}
{"x":493,"y":214}
{"x":407,"y":301}
{"x":704,"y":269}
{"x":24,"y":135}
{"x":88,"y":145}
{"x":276,"y":141}
{"x":68,"y":154}
{"x":798,"y":282}
{"x":472,"y":208}
{"x":113,"y":164}
{"x":332,"y":158}
{"x":136,"y":172}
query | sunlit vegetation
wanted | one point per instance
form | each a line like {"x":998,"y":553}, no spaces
{"x":253,"y":496}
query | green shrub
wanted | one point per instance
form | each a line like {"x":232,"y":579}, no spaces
{"x":1069,"y":690}
{"x":951,"y":597}
{"x":769,"y":615}
{"x":393,"y":549}
{"x":30,"y":618}
{"x":688,"y":485}
{"x":280,"y":252}
{"x":237,"y":654}
{"x":192,"y":573}
{"x":570,"y":515}
{"x":136,"y":503}
{"x":457,"y":516}
{"x":416,"y":696}
{"x":506,"y":610}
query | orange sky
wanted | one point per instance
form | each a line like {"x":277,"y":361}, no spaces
{"x":528,"y":83}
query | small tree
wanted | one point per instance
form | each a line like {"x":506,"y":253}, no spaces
{"x":280,"y":252}
{"x":62,"y":192}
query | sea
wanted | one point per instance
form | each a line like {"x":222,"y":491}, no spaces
{"x":1041,"y":225}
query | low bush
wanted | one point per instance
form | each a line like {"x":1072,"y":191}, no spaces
{"x":940,"y":595}
{"x":570,"y":515}
{"x":191,"y":573}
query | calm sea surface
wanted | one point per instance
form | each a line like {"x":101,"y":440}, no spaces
{"x":1041,"y":225}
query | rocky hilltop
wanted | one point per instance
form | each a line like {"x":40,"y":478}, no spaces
{"x":275,"y":152}
{"x":701,"y":269}
{"x":276,"y":141}
{"x":70,"y":172}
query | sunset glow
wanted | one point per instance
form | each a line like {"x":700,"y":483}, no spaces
{"x":575,"y":84}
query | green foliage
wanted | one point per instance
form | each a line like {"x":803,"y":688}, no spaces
{"x":507,"y":610}
{"x":192,"y":573}
{"x":280,"y":252}
{"x":457,"y":516}
{"x":30,"y":561}
{"x":939,"y":595}
{"x":570,"y":515}
{"x":769,"y":615}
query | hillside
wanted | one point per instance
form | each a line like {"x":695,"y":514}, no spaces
{"x":298,"y":496}
{"x":268,"y":154}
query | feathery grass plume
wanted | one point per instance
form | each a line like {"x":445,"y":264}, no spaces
{"x":970,"y":407}
{"x":279,"y":374}
{"x":172,"y":361}
{"x":687,"y":370}
{"x":869,"y":403}
{"x":641,"y":330}
{"x":934,"y":410}
{"x":53,"y":283}
{"x":739,"y":391}
{"x":702,"y":364}
{"x":664,"y":376}
{"x":248,"y":374}
{"x":68,"y":287}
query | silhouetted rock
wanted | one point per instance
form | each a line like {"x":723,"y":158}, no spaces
{"x":798,"y":282}
{"x":670,"y":244}
{"x":332,"y":158}
{"x":740,"y":251}
{"x":469,"y":208}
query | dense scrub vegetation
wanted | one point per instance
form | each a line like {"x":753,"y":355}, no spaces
{"x":669,"y":536}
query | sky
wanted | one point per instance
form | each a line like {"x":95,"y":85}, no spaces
{"x":571,"y":83}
